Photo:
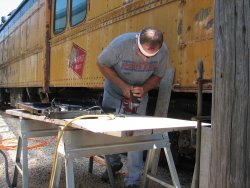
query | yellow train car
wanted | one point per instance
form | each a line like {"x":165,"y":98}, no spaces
{"x":23,"y":50}
{"x":48,"y":46}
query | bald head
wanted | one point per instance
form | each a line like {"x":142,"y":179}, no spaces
{"x":152,"y":37}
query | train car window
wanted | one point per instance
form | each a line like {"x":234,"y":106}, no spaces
{"x":60,"y":17}
{"x":77,"y":11}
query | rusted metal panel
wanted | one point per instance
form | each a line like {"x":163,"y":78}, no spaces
{"x":196,"y":21}
{"x":195,"y":39}
{"x":187,"y":27}
{"x":97,"y":9}
{"x":185,"y":48}
{"x":23,"y":43}
{"x":47,"y":37}
{"x":3,"y":76}
{"x":186,"y":69}
{"x":94,"y":35}
{"x":17,"y":46}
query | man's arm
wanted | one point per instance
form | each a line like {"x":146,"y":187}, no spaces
{"x":110,"y":74}
{"x":150,"y":84}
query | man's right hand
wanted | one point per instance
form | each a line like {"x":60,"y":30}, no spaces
{"x":126,"y":90}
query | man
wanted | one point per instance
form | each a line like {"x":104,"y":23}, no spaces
{"x":133,"y":64}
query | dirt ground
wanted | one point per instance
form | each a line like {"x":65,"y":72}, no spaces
{"x":41,"y":160}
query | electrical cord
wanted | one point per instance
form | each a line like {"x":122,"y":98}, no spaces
{"x":13,"y":147}
{"x":110,"y":116}
{"x":6,"y":169}
{"x":41,"y":143}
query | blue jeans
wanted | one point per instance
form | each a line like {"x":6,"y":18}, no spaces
{"x":135,"y":165}
{"x":135,"y":158}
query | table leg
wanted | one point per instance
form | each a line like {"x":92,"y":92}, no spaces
{"x":17,"y":164}
{"x":25,"y":167}
{"x":110,"y":172}
{"x":148,"y":167}
{"x":91,"y":160}
{"x":70,"y":183}
{"x":171,"y":166}
{"x":56,"y":180}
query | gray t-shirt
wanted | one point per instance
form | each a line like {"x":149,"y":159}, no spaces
{"x":122,"y":55}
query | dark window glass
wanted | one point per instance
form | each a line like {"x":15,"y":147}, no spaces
{"x":60,"y":16}
{"x":78,"y":11}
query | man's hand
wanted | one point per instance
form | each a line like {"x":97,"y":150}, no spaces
{"x":126,"y":90}
{"x":138,"y":92}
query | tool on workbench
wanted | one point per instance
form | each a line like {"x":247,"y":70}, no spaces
{"x":130,"y":105}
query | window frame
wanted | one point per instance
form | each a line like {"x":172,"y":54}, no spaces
{"x":54,"y":18}
{"x":70,"y":14}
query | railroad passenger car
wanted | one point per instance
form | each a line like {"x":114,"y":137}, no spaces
{"x":51,"y":46}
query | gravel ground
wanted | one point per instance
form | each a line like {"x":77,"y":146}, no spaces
{"x":41,"y":160}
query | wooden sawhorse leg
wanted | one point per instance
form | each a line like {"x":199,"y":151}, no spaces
{"x":171,"y":166}
{"x":91,"y":161}
{"x":109,"y":169}
{"x":69,"y":168}
{"x":28,"y":129}
{"x":56,"y":180}
{"x":21,"y":166}
{"x":70,"y":182}
{"x":149,"y":165}
{"x":18,"y":156}
{"x":110,"y":172}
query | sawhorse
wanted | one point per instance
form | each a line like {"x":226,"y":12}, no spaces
{"x":82,"y":143}
{"x":77,"y":143}
{"x":29,"y":129}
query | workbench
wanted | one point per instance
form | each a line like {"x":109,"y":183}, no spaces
{"x":99,"y":136}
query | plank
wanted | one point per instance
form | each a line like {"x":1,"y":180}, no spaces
{"x":110,"y":127}
{"x":24,"y":114}
{"x":131,"y":123}
{"x":205,"y":156}
{"x":230,"y":153}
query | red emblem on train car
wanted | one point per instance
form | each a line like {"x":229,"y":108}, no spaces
{"x":77,"y":59}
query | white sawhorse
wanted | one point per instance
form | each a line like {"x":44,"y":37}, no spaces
{"x":148,"y":169}
{"x":78,"y":143}
{"x":82,"y":143}
{"x":29,"y":129}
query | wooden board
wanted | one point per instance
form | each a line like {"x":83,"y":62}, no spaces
{"x":116,"y":127}
{"x":130,"y":123}
{"x":230,"y":148}
{"x":24,"y":114}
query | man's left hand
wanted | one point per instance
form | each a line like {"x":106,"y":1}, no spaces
{"x":137,"y":91}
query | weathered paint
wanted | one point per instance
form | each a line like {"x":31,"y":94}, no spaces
{"x":22,"y":44}
{"x":195,"y":42}
{"x":187,"y":27}
{"x":47,"y":46}
{"x":95,"y":34}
